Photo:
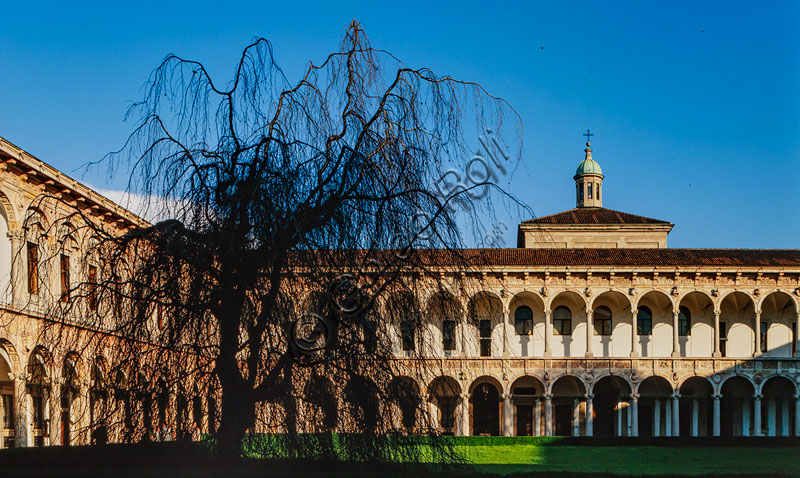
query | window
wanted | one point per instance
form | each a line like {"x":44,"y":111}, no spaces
{"x":589,"y":191}
{"x":598,"y":191}
{"x":723,"y":338}
{"x":8,"y":411}
{"x":523,"y":320}
{"x":449,"y":334}
{"x":764,"y":328}
{"x":407,"y":332}
{"x":38,"y":412}
{"x":684,"y":322}
{"x":485,"y":329}
{"x":644,"y":321}
{"x":33,"y":268}
{"x":92,"y":287}
{"x":562,"y":321}
{"x":64,"y":278}
{"x":580,"y":191}
{"x":602,"y":321}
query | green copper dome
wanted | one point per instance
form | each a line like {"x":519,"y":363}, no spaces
{"x":588,"y":165}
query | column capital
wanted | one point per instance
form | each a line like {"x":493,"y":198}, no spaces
{"x":589,"y":311}
{"x":758,"y":396}
{"x":548,"y":396}
{"x":796,"y":396}
{"x":464,"y":396}
{"x":635,"y":396}
{"x":676,"y":396}
{"x":508,"y":396}
{"x":716,"y":396}
{"x":634,"y":312}
{"x":589,"y":396}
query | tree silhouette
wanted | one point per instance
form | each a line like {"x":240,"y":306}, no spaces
{"x":299,"y":224}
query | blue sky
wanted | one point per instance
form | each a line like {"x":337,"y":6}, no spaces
{"x":695,"y":106}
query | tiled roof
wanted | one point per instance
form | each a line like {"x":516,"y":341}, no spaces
{"x":593,"y":216}
{"x":619,"y":257}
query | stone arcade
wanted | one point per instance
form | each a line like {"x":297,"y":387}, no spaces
{"x":591,"y":326}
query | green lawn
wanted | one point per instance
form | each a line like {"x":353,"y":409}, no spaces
{"x":634,"y":460}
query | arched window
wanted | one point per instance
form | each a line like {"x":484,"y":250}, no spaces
{"x":485,"y":331}
{"x":590,"y":190}
{"x":644,"y":321}
{"x":523,"y":320}
{"x":602,"y":321}
{"x":684,"y":321}
{"x":562,"y":321}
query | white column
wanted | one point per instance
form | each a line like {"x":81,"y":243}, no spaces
{"x":548,"y":414}
{"x":508,"y":416}
{"x":717,"y":351}
{"x":537,"y":418}
{"x":505,"y":332}
{"x":589,"y":333}
{"x":797,"y":413}
{"x":464,"y":415}
{"x":657,"y":417}
{"x":628,"y":418}
{"x":548,"y":332}
{"x":676,"y":349}
{"x":667,"y":419}
{"x":757,"y":414}
{"x":576,"y":417}
{"x":589,"y":415}
{"x":772,"y":418}
{"x":695,"y":418}
{"x":784,"y":417}
{"x":676,"y":423}
{"x":635,"y":414}
{"x":634,"y":333}
{"x":716,"y":414}
{"x":618,"y":415}
{"x":757,"y":345}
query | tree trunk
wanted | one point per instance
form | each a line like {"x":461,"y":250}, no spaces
{"x":238,"y":414}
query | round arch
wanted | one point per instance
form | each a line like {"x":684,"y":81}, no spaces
{"x":611,"y":406}
{"x":404,"y":394}
{"x":737,"y":313}
{"x":696,"y":406}
{"x":736,"y":406}
{"x":778,"y":406}
{"x":445,"y":393}
{"x":485,"y":405}
{"x":655,"y":399}
{"x":568,"y":394}
{"x":7,"y":211}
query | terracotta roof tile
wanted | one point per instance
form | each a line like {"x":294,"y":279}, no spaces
{"x":593,"y":216}
{"x":622,"y":257}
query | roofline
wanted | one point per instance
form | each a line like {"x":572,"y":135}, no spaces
{"x":11,"y":154}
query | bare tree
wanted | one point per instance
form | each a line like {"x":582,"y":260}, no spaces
{"x":304,"y":227}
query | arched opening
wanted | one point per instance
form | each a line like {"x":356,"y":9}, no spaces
{"x":611,"y":406}
{"x":98,"y":403}
{"x":696,"y":325}
{"x":612,"y":325}
{"x":658,"y":342}
{"x":5,"y":256}
{"x":7,"y":402}
{"x":444,"y":318}
{"x":361,"y":395}
{"x":736,"y":325}
{"x":405,"y":399}
{"x":402,"y":310}
{"x":486,"y":318}
{"x":779,"y":321}
{"x":569,"y":395}
{"x":778,"y":407}
{"x":696,"y":407}
{"x":485,"y":404}
{"x":322,"y":405}
{"x":655,"y":407}
{"x":445,"y":392}
{"x":569,"y":325}
{"x":527,"y":395}
{"x":38,"y":390}
{"x":527,"y":324}
{"x":736,"y":407}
